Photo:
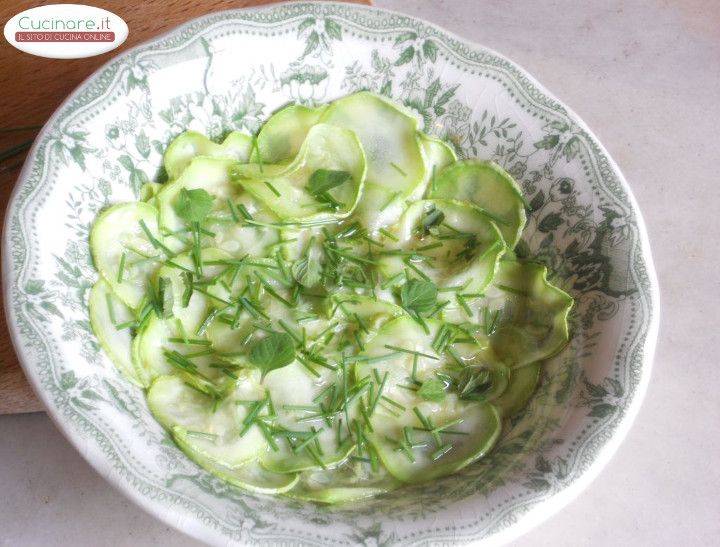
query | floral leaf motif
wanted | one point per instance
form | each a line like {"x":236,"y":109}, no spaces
{"x":616,"y":386}
{"x":34,"y":286}
{"x":551,"y":222}
{"x":386,"y":89}
{"x":432,"y":91}
{"x":91,"y":394}
{"x":602,"y":410}
{"x":142,"y":144}
{"x":312,"y":43}
{"x":333,"y":29}
{"x":595,"y":390}
{"x":306,"y":23}
{"x":542,"y":465}
{"x":537,"y":202}
{"x":404,"y":37}
{"x":78,"y":156}
{"x":571,"y":149}
{"x":559,"y":126}
{"x":406,"y":56}
{"x":68,"y":380}
{"x":537,"y":484}
{"x":430,"y":50}
{"x":548,"y":142}
{"x":127,"y":162}
{"x":50,"y":307}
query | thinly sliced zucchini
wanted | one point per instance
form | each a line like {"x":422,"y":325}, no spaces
{"x":488,"y":186}
{"x":123,"y":252}
{"x":523,"y":382}
{"x":249,"y":476}
{"x":195,"y":310}
{"x":347,"y":482}
{"x":532,"y":324}
{"x":462,"y":245}
{"x":230,"y":205}
{"x":395,"y":165}
{"x":213,"y":429}
{"x":363,"y":316}
{"x":438,"y":155}
{"x":398,"y":355}
{"x":431,"y":458}
{"x":106,"y":312}
{"x":157,"y":338}
{"x":290,"y":388}
{"x":189,"y":145}
{"x":323,"y":183}
{"x":281,"y":137}
{"x":210,"y":174}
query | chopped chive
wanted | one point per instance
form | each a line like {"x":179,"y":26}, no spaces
{"x":412,"y":352}
{"x":111,"y":309}
{"x":272,"y":292}
{"x":268,"y":435}
{"x":271,"y":187}
{"x":377,"y":359}
{"x":310,"y":438}
{"x":398,"y":168}
{"x":153,"y":240}
{"x":416,"y":270}
{"x":307,"y":366}
{"x":190,"y":341}
{"x":440,"y":452}
{"x":207,"y":322}
{"x":202,"y":434}
{"x":233,"y":210}
{"x":425,"y":421}
{"x":463,"y":305}
{"x":126,"y":325}
{"x":121,"y":268}
{"x":390,"y":200}
{"x":381,"y":386}
{"x":244,"y":212}
{"x":512,"y":290}
{"x":391,"y":281}
{"x":392,"y":402}
{"x":384,"y":232}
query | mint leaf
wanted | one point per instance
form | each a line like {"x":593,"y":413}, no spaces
{"x":193,"y":205}
{"x":418,"y":296}
{"x":323,"y":180}
{"x":432,"y":390}
{"x":274,"y":351}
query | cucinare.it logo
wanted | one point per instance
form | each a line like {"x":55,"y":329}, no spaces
{"x":66,"y":31}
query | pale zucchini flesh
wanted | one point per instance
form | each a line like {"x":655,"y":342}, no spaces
{"x":107,"y":312}
{"x":487,"y":186}
{"x":190,"y":144}
{"x":286,"y":190}
{"x":368,"y":327}
{"x":119,"y":237}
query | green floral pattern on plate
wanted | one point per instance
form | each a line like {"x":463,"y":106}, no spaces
{"x":106,"y":141}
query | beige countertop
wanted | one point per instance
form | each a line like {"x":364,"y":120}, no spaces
{"x":645,"y":76}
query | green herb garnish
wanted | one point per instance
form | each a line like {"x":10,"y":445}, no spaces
{"x":274,"y":351}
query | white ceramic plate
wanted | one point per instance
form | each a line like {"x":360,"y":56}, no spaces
{"x":230,"y":70}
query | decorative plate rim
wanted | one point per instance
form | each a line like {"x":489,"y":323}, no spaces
{"x":540,"y":510}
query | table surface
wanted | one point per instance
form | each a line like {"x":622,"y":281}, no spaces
{"x":645,"y":76}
